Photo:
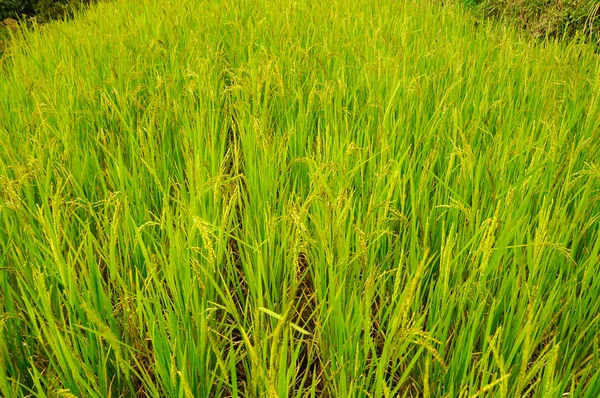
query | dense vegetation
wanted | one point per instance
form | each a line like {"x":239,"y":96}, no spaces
{"x":14,"y":13}
{"x":42,"y":10}
{"x":561,"y":19}
{"x":547,"y":18}
{"x":344,"y":199}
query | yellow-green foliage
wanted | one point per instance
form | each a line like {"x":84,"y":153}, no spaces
{"x":297,"y":198}
{"x":15,"y":13}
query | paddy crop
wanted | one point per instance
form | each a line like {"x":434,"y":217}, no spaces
{"x":257,"y":198}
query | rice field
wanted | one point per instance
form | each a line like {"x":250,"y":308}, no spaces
{"x":252,"y":198}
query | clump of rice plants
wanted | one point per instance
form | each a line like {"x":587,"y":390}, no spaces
{"x":297,"y":199}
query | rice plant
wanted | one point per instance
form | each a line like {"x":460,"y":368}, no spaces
{"x":297,"y":199}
